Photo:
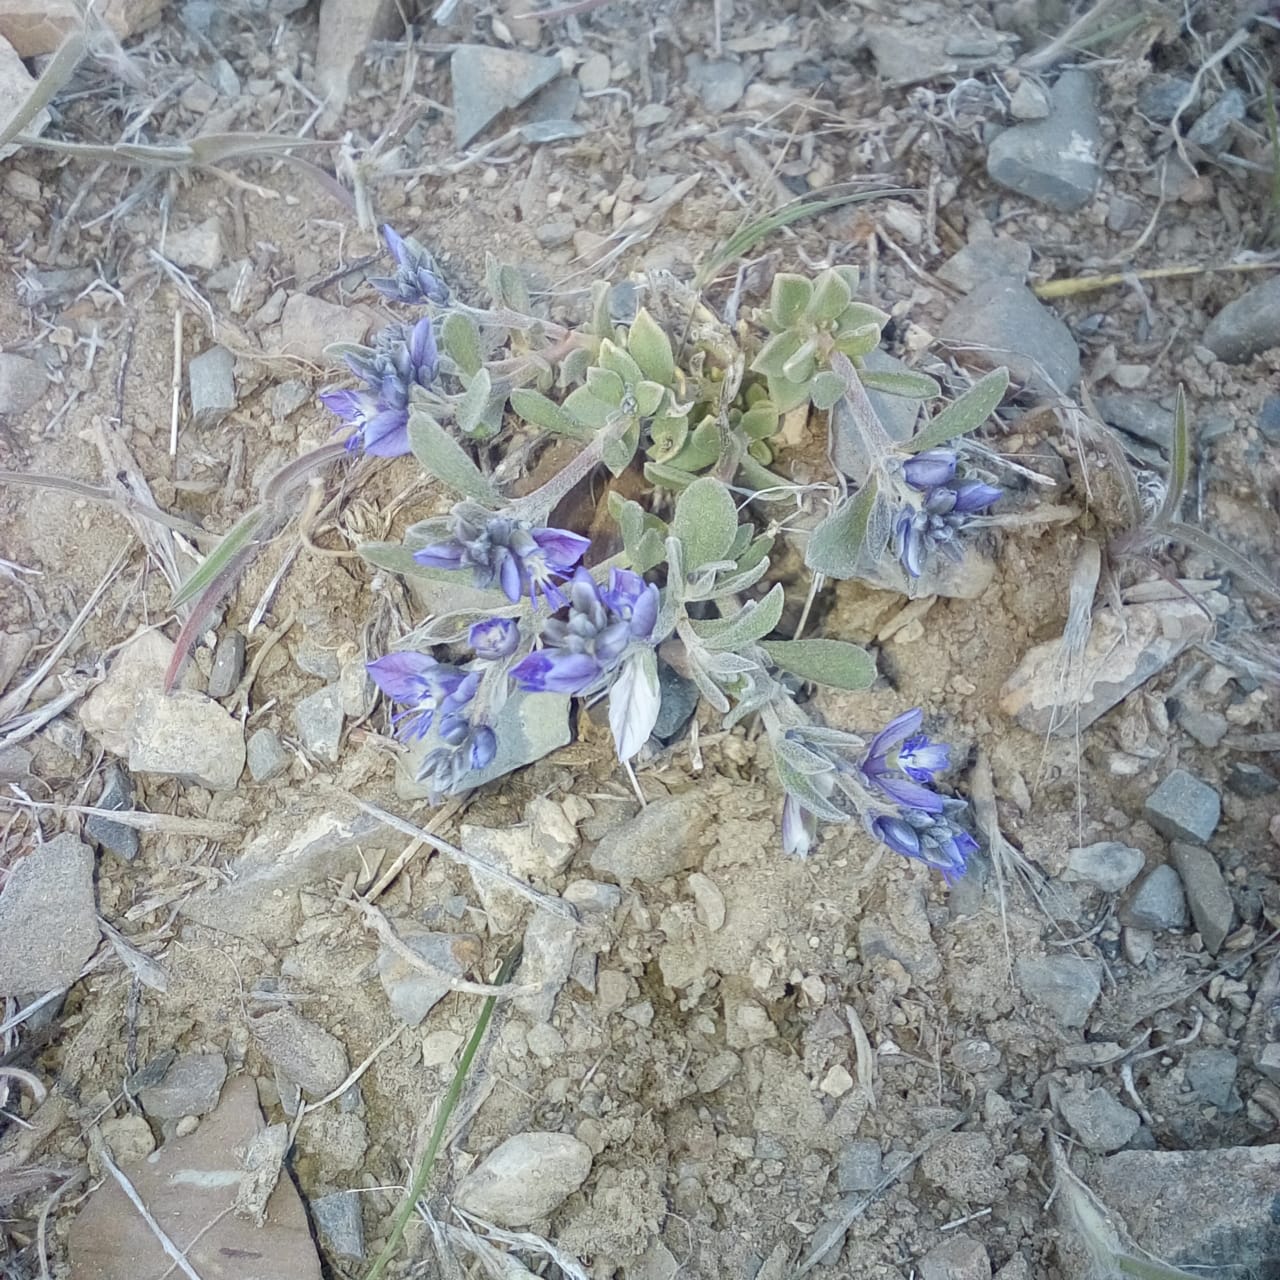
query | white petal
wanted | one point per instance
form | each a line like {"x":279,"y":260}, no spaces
{"x":634,"y":700}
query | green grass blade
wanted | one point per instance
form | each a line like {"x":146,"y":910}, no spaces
{"x":447,"y":1107}
{"x":240,"y":535}
{"x":1179,"y":464}
{"x":1225,"y":554}
{"x":964,"y":414}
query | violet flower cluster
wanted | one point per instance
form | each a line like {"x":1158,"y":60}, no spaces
{"x":946,"y":505}
{"x":417,"y":278}
{"x":897,"y":770}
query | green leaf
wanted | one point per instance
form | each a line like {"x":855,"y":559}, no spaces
{"x":705,"y":521}
{"x":336,"y":352}
{"x":628,"y":516}
{"x":963,"y":415}
{"x":664,"y":476}
{"x":587,"y":409}
{"x":758,"y":478}
{"x":800,"y":365}
{"x":859,"y":342}
{"x":858,"y":315}
{"x":442,"y":456}
{"x":649,"y":552}
{"x":1179,"y":463}
{"x":761,"y":420}
{"x":825,"y":388}
{"x":605,"y":385}
{"x":469,"y":410}
{"x":800,"y":784}
{"x":542,"y":412}
{"x":613,"y":357}
{"x":831,"y":295}
{"x":460,"y":338}
{"x":834,"y":545}
{"x":775,"y":353}
{"x":750,"y":624}
{"x":649,"y":396}
{"x":573,"y":368}
{"x":234,"y":541}
{"x":650,"y":348}
{"x":788,"y":298}
{"x":909,"y":385}
{"x":788,"y":395}
{"x":619,"y":451}
{"x":831,"y":662}
{"x":668,"y":436}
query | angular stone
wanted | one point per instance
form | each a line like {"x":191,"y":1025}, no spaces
{"x":309,"y":324}
{"x":347,"y":29}
{"x":516,"y":850}
{"x":318,"y":719}
{"x":22,"y":381}
{"x":199,"y":247}
{"x":187,"y":736}
{"x":1066,"y":986}
{"x":859,"y":1166}
{"x":110,"y":710}
{"x":1248,"y":325}
{"x":305,"y":1053}
{"x":189,"y":1187}
{"x":1101,"y":1122}
{"x":267,"y":758}
{"x":1251,"y":780}
{"x":114,"y":837}
{"x":1107,"y":865}
{"x":1157,"y":903}
{"x":525,"y":1178}
{"x":679,"y":700}
{"x":1213,"y":128}
{"x":1212,"y":1074}
{"x":191,"y":1087}
{"x":957,"y":1258}
{"x":1184,"y":808}
{"x":412,"y":993}
{"x":1207,"y":893}
{"x":489,"y":81}
{"x":211,"y":379}
{"x":339,"y":1223}
{"x":1161,"y":96}
{"x":549,"y":944}
{"x":662,"y":839}
{"x":36,"y":27}
{"x":48,"y":918}
{"x":993,"y":258}
{"x":1143,"y":419}
{"x":1055,"y":161}
{"x":1208,"y":728}
{"x":719,"y":82}
{"x":228,"y":665}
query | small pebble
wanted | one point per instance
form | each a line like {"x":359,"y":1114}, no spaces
{"x":114,"y":837}
{"x":267,"y":758}
{"x":228,"y":665}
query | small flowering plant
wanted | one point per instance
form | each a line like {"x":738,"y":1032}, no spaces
{"x":681,"y":579}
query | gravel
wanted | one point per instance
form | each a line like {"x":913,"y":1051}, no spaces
{"x":1183,"y":807}
{"x":117,"y":793}
{"x":267,"y":758}
{"x":1101,"y":1123}
{"x":859,"y":1166}
{"x":191,"y":1087}
{"x":228,"y":665}
{"x":1251,"y":780}
{"x":318,"y":719}
{"x":1157,"y":903}
{"x":661,"y":840}
{"x":339,"y":1223}
{"x":1211,"y":1073}
{"x":1247,"y":325}
{"x":958,"y":1258}
{"x":212,"y":384}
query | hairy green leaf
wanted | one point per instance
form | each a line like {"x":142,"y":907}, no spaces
{"x":460,"y":338}
{"x":912,"y":386}
{"x":834,"y":546}
{"x":705,"y":521}
{"x":825,"y":389}
{"x":442,"y":456}
{"x":470,"y":409}
{"x":831,"y":295}
{"x":543,"y":412}
{"x":751,"y":623}
{"x":664,"y":476}
{"x":1179,"y":463}
{"x":832,"y":662}
{"x":788,"y":298}
{"x":964,"y":415}
{"x":650,"y":348}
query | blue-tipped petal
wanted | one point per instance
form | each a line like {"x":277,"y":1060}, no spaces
{"x":562,"y":548}
{"x":897,"y":730}
{"x":484,"y":746}
{"x":930,"y":469}
{"x":973,"y":496}
{"x":556,"y":671}
{"x":494,"y":638}
{"x":898,"y":835}
{"x":442,"y":555}
{"x":402,"y":676}
{"x":920,"y":759}
{"x":386,"y":434}
{"x":912,"y":794}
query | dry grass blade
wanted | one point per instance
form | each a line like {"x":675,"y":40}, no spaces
{"x":100,"y":493}
{"x":58,"y":71}
{"x":209,"y":151}
{"x":1070,"y":286}
{"x":571,"y":1267}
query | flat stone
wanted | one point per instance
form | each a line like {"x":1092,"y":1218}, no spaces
{"x":108,"y":713}
{"x":516,"y":850}
{"x":1055,"y":161}
{"x":1248,"y":325}
{"x":1107,"y":865}
{"x":1268,"y":1062}
{"x":1157,"y":903}
{"x":595,"y":73}
{"x":339,"y":1223}
{"x":36,"y":27}
{"x":1161,"y":96}
{"x":489,"y":81}
{"x":48,"y":918}
{"x":1121,"y":654}
{"x":860,"y":1166}
{"x":1143,"y":419}
{"x":412,"y":993}
{"x":1251,"y":780}
{"x":187,"y":736}
{"x":661,"y":840}
{"x":114,"y":837}
{"x":267,"y":758}
{"x":554,"y":103}
{"x":1065,"y":986}
{"x":1101,"y":1122}
{"x":980,"y":261}
{"x":318,"y":719}
{"x":22,"y":381}
{"x":305,"y":1053}
{"x":1207,"y":893}
{"x":212,"y":383}
{"x":16,"y":83}
{"x":189,"y":1187}
{"x":308,"y":325}
{"x":1029,"y":102}
{"x":679,"y":700}
{"x":228,"y":665}
{"x":191,"y":1087}
{"x":197,"y":248}
{"x":525,"y":1178}
{"x":1214,"y":127}
{"x":347,"y":29}
{"x":1183,"y":807}
{"x":549,"y":944}
{"x":1208,"y":728}
{"x":15,"y":765}
{"x":1269,"y":419}
{"x":717,"y":1071}
{"x":1212,"y":1074}
{"x":287,"y":398}
{"x":552,"y":832}
{"x":719,"y":82}
{"x":956,"y":1258}
{"x":1002,"y":322}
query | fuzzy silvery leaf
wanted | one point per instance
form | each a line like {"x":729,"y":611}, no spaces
{"x":606,"y":385}
{"x":961,"y":416}
{"x":763,"y":483}
{"x":676,"y":583}
{"x":619,"y":451}
{"x":573,"y":368}
{"x":835,"y":545}
{"x":470,"y":409}
{"x":705,"y":521}
{"x":506,"y":286}
{"x":752,"y":622}
{"x":799,"y":366}
{"x":775,"y":353}
{"x":668,"y":436}
{"x":788,"y":298}
{"x":741,"y":541}
{"x":760,"y":421}
{"x":339,"y":351}
{"x":831,"y":295}
{"x":649,"y":396}
{"x":1179,"y":462}
{"x":825,"y":389}
{"x":542,"y":412}
{"x":859,"y":315}
{"x":395,"y":558}
{"x":859,"y":342}
{"x":613,"y":358}
{"x":634,"y":699}
{"x":731,"y":584}
{"x":588,"y":409}
{"x":787,"y":395}
{"x":460,"y":338}
{"x":628,"y":516}
{"x":725,"y":665}
{"x":911,"y":385}
{"x":663,"y":475}
{"x":836,"y":663}
{"x":803,"y":787}
{"x":443,"y":457}
{"x":650,"y":348}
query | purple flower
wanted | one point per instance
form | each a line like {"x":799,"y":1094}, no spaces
{"x":465,"y":748}
{"x":936,"y":841}
{"x":521,"y":559}
{"x":938,"y":521}
{"x":494,"y":638}
{"x":632,"y":600}
{"x":417,"y":278}
{"x":929,"y":469}
{"x":973,"y":496}
{"x":423,"y":686}
{"x":900,"y":746}
{"x":556,"y":671}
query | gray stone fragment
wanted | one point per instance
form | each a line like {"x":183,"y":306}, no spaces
{"x":1003,"y":323}
{"x":1107,"y":865}
{"x":1184,"y":808}
{"x":114,"y":837}
{"x":1251,"y":780}
{"x":1208,"y":728}
{"x":555,"y":103}
{"x":549,"y":944}
{"x":515,"y":850}
{"x":1214,"y":127}
{"x":308,"y":325}
{"x":1065,"y":986}
{"x":662,"y":839}
{"x":1248,"y":325}
{"x":187,"y":736}
{"x":1268,"y":1062}
{"x":339,"y":1223}
{"x":1212,"y":1074}
{"x":1161,"y":96}
{"x":1207,"y":893}
{"x":1138,"y":944}
{"x":1142,"y":419}
{"x":1101,"y":1123}
{"x":267,"y":758}
{"x":412,"y":993}
{"x":859,"y":1166}
{"x":1055,"y":161}
{"x":959,"y":1257}
{"x":16,"y":86}
{"x":15,"y":764}
{"x":347,"y":29}
{"x":1269,"y":419}
{"x":199,"y":246}
{"x":303,"y":1052}
{"x":591,"y":895}
{"x":679,"y":702}
{"x":22,"y":383}
{"x":318,"y":720}
{"x":489,"y":81}
{"x":228,"y":665}
{"x":191,"y":1087}
{"x":1157,"y":903}
{"x":719,"y":82}
{"x":211,"y":378}
{"x":718,"y":1070}
{"x":525,"y":1178}
{"x":287,"y":398}
{"x":1029,"y":102}
{"x":48,"y":918}
{"x":994,"y":258}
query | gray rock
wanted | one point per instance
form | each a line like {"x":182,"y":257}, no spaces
{"x":1107,"y":865}
{"x":1214,"y":127}
{"x":1208,"y":728}
{"x":191,"y":1087}
{"x":1003,"y":323}
{"x":1207,"y":893}
{"x":211,"y":379}
{"x":661,"y":840}
{"x":114,"y":837}
{"x":267,"y":758}
{"x":516,"y":850}
{"x":199,"y":247}
{"x":1248,"y":325}
{"x":1269,"y":419}
{"x":228,"y":665}
{"x":1251,"y":780}
{"x":1029,"y":102}
{"x":719,"y":82}
{"x":412,"y":993}
{"x":318,"y":719}
{"x":339,"y":1223}
{"x":22,"y":383}
{"x":1268,"y":1062}
{"x":1138,"y":945}
{"x":859,"y":1166}
{"x":1065,"y":986}
{"x":347,"y":29}
{"x":1184,"y":808}
{"x":488,"y":81}
{"x":525,"y":1178}
{"x":980,"y":261}
{"x":975,"y":1055}
{"x":16,"y":85}
{"x":679,"y":702}
{"x":287,"y":398}
{"x":555,"y":103}
{"x":1100,"y":1122}
{"x":1212,"y":1074}
{"x":591,"y":895}
{"x":1161,"y":96}
{"x":303,"y":1052}
{"x":553,"y":234}
{"x":1143,"y":419}
{"x":15,"y":765}
{"x":957,"y":1258}
{"x":1157,"y":903}
{"x":549,"y":944}
{"x":48,"y":918}
{"x":308,"y":325}
{"x":1055,"y":161}
{"x":718,"y":1070}
{"x":187,"y":736}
